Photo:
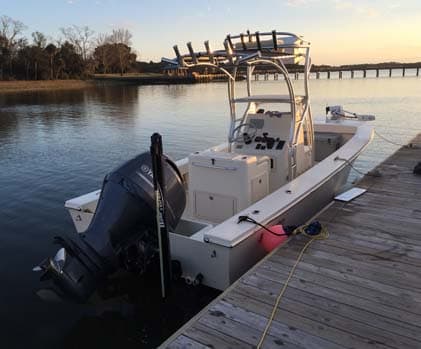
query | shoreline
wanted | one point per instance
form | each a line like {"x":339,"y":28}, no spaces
{"x":28,"y":86}
{"x":144,"y":79}
{"x":43,"y":85}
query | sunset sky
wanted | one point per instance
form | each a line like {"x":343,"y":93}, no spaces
{"x":341,"y":31}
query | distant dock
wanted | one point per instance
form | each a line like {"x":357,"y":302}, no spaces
{"x":347,"y":71}
{"x":182,"y":76}
{"x":360,"y":288}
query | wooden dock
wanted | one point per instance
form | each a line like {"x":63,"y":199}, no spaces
{"x":360,"y":288}
{"x":345,"y":71}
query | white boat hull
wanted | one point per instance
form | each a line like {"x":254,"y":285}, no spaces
{"x":217,"y":255}
{"x":221,"y":265}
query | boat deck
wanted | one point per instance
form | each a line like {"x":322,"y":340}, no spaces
{"x":360,"y":288}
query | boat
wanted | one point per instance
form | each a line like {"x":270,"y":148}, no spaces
{"x":277,"y":167}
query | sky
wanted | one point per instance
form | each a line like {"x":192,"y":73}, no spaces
{"x":340,"y":31}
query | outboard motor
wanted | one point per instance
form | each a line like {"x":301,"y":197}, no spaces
{"x":121,"y":233}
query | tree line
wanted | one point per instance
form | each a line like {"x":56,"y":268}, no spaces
{"x":76,"y":55}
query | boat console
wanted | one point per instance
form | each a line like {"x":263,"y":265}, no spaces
{"x":269,"y":145}
{"x":266,"y":133}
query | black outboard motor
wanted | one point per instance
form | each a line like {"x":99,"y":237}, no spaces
{"x":121,"y":233}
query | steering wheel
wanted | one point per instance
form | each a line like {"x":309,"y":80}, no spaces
{"x":238,"y":132}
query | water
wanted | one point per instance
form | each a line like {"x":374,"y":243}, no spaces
{"x":57,"y":145}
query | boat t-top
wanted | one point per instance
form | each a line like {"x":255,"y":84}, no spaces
{"x":278,"y":167}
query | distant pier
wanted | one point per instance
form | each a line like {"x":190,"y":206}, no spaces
{"x":183,"y":76}
{"x":350,"y":72}
{"x":359,"y":288}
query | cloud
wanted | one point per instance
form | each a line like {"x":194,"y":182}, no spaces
{"x":394,"y":5}
{"x":345,"y":5}
{"x":296,"y":3}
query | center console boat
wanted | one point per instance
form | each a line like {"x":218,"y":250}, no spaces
{"x":278,"y":166}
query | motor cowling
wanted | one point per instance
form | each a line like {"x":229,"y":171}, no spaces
{"x":125,"y":219}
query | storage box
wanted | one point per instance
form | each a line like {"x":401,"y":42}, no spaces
{"x":221,"y":184}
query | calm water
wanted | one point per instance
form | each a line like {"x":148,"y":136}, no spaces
{"x":57,"y":145}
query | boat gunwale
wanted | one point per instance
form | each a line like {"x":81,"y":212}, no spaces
{"x":361,"y":138}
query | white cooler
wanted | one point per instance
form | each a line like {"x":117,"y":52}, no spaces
{"x":221,"y":184}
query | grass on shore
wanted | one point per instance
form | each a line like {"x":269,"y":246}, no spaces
{"x":129,"y":75}
{"x":41,"y":85}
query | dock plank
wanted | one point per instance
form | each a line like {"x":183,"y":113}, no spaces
{"x":336,"y":327}
{"x":334,"y":306}
{"x":360,"y":288}
{"x":213,"y":338}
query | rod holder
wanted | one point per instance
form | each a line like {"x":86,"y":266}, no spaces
{"x":230,"y":43}
{"x":249,"y":35}
{"x":179,"y":57}
{"x":209,"y":52}
{"x":228,"y":50}
{"x":259,"y":45}
{"x":243,"y":43}
{"x":275,"y":40}
{"x":192,"y":53}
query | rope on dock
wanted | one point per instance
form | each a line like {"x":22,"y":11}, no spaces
{"x":375,"y":172}
{"x":410,"y":145}
{"x":322,"y":235}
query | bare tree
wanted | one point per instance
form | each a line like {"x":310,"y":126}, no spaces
{"x":10,"y":29}
{"x":51,"y":50}
{"x":40,"y":40}
{"x":121,"y":36}
{"x":81,"y":38}
{"x":102,"y":39}
{"x":101,"y":52}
